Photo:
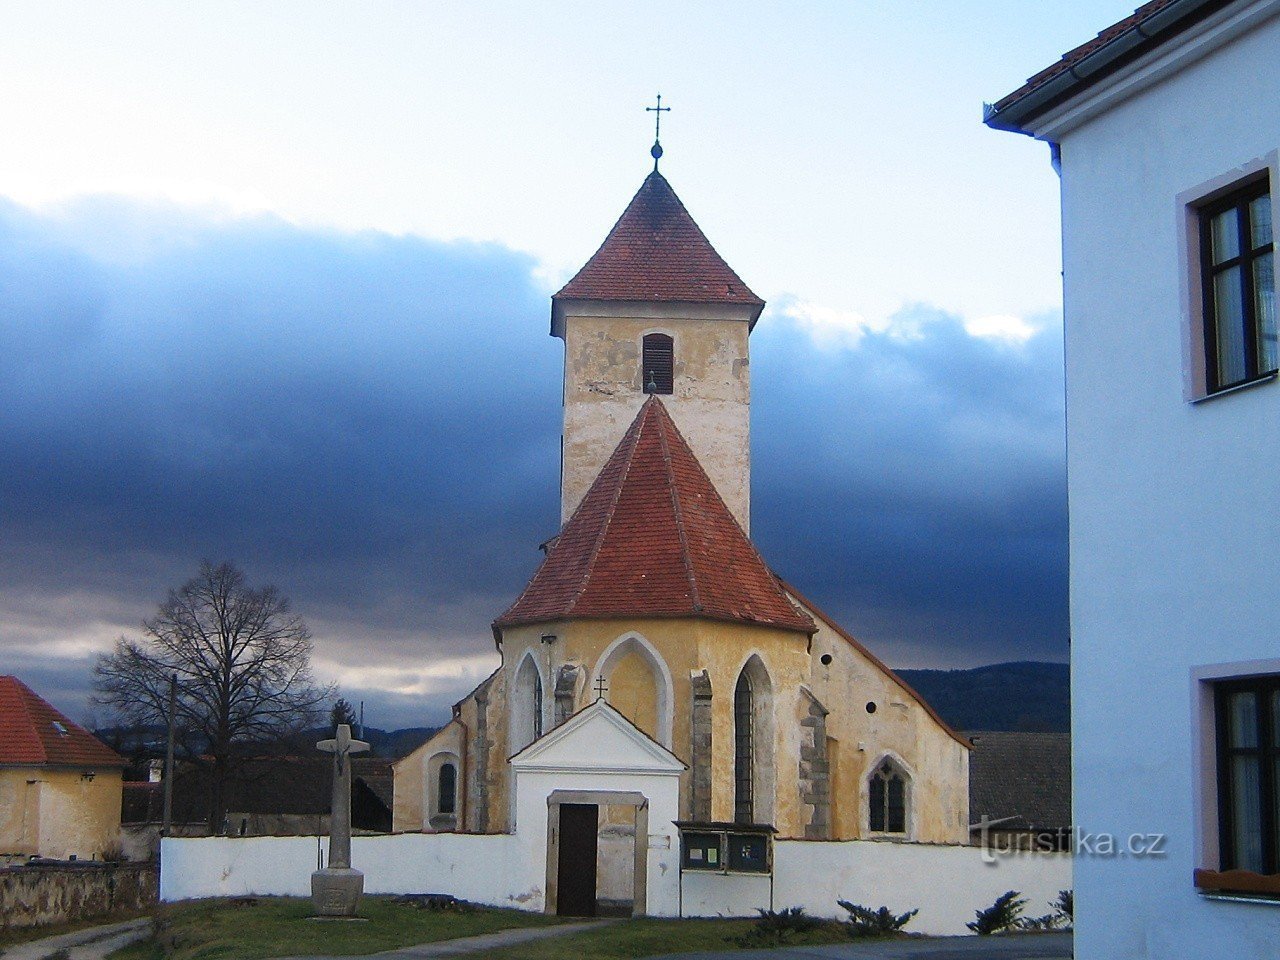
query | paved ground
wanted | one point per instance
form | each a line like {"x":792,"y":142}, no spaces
{"x":485,"y":941}
{"x":1041,"y":946}
{"x":93,"y":943}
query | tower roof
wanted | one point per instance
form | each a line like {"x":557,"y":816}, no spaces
{"x":33,"y":733}
{"x":655,"y":252}
{"x":652,"y":538}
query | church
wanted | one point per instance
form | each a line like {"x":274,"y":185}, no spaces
{"x":654,"y":640}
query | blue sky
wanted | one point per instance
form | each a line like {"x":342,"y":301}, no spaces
{"x":274,"y":281}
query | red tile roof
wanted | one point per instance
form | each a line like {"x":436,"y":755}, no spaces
{"x":1073,"y":57}
{"x":30,"y":734}
{"x":656,"y":252}
{"x":652,"y":538}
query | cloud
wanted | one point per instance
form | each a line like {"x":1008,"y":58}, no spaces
{"x":372,"y":423}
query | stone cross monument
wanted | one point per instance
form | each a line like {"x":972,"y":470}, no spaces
{"x":335,"y":890}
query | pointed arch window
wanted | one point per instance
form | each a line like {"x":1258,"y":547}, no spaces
{"x":537,"y":708}
{"x":888,"y":800}
{"x":658,"y":363}
{"x":743,"y":753}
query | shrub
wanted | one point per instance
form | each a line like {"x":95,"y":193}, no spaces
{"x":864,"y":922}
{"x":775,"y":927}
{"x":1001,"y":915}
{"x":1059,"y":917}
{"x":1065,"y":907}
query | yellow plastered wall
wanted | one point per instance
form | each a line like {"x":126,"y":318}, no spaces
{"x":710,"y":404}
{"x":685,"y":646}
{"x":60,"y":813}
{"x":901,"y":728}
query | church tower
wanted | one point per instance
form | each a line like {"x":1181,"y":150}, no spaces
{"x":657,"y":310}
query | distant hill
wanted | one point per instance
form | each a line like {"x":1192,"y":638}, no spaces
{"x":1003,"y":696}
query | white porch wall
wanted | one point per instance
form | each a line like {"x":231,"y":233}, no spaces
{"x":663,"y":793}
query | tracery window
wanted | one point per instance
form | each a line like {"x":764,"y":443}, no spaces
{"x":888,"y":800}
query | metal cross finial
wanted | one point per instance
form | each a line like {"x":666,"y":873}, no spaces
{"x":601,"y":687}
{"x":656,"y":150}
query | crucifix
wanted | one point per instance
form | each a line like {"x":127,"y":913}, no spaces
{"x":601,"y":687}
{"x":656,"y":150}
{"x":341,"y":746}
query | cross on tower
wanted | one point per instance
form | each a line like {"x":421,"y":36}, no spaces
{"x":656,"y":150}
{"x":601,"y":687}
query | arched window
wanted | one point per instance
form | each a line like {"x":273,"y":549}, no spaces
{"x":526,"y":705}
{"x":447,"y":789}
{"x":888,"y":798}
{"x":657,"y":369}
{"x":743,"y":755}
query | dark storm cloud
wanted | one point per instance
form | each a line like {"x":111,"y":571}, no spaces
{"x":372,"y":422}
{"x":914,"y":484}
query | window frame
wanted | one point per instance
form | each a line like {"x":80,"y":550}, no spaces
{"x":1238,"y":197}
{"x":896,"y":772}
{"x":1265,"y":688}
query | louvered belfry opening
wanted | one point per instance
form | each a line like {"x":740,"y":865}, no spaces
{"x":658,"y":363}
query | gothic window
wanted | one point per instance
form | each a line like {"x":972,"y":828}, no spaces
{"x":888,"y":796}
{"x":658,"y":363}
{"x":526,"y":705}
{"x":743,"y":772}
{"x":447,"y":789}
{"x":537,"y":708}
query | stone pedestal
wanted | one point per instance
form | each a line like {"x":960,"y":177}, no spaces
{"x":335,"y":891}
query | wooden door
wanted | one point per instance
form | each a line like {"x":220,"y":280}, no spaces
{"x":576,"y":866}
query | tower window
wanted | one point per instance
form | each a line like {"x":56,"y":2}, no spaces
{"x":658,"y":363}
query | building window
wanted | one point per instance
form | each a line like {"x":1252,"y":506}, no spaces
{"x":447,"y":789}
{"x":658,"y":363}
{"x":1239,"y":292}
{"x":888,"y":800}
{"x":1248,"y":729}
{"x":742,"y":752}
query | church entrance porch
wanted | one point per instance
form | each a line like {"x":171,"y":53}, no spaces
{"x":597,"y":853}
{"x":618,"y":856}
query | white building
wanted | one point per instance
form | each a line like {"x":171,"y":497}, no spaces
{"x":1166,"y":129}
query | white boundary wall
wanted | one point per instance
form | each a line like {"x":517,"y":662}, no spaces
{"x":946,"y":883}
{"x":481,"y":868}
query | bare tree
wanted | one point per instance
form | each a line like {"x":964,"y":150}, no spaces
{"x":243,"y":666}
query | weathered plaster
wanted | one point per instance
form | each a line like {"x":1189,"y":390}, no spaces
{"x":603,"y":391}
{"x":59,"y":812}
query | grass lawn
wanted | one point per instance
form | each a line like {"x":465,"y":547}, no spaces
{"x":648,"y":937}
{"x":279,"y":926}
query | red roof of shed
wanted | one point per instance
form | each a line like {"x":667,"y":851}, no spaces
{"x":652,"y":538}
{"x":32,"y":733}
{"x":656,"y":252}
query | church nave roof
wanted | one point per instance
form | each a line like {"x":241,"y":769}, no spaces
{"x":652,"y":538}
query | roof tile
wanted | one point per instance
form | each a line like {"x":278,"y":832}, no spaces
{"x":656,"y":252}
{"x":33,"y":733}
{"x":653,"y":538}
